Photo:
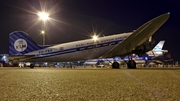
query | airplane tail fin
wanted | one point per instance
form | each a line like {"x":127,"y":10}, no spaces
{"x":159,"y":46}
{"x":20,"y":43}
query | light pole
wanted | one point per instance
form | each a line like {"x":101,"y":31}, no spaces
{"x":44,"y":17}
{"x":43,"y":34}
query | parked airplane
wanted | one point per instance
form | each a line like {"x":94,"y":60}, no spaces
{"x":23,"y":48}
{"x":150,"y":55}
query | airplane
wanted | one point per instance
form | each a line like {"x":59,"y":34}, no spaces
{"x":23,"y":49}
{"x":150,"y":55}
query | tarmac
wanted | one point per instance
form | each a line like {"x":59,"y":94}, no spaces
{"x":89,"y":84}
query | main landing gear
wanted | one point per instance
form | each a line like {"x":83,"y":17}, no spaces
{"x":32,"y":66}
{"x":131,"y":64}
{"x":115,"y":65}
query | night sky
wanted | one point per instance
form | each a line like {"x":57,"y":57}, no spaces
{"x":75,"y":19}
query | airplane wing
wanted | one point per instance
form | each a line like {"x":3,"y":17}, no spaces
{"x":138,"y":37}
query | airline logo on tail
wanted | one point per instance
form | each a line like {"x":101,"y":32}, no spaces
{"x":20,"y":45}
{"x":159,"y":46}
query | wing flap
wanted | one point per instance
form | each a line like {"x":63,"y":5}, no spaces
{"x":138,"y":37}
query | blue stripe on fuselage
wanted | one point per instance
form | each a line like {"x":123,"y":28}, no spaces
{"x":77,"y":49}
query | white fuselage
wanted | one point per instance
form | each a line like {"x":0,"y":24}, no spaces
{"x":77,"y":50}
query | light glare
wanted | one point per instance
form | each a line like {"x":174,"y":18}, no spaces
{"x":95,"y":38}
{"x":42,"y":32}
{"x":43,"y":16}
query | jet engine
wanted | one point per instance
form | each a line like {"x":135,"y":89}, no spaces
{"x":143,"y":48}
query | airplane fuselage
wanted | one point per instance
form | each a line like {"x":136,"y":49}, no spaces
{"x":77,"y":50}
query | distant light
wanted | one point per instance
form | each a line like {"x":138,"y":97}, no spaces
{"x":146,"y":58}
{"x":42,"y":32}
{"x":45,"y":63}
{"x":168,"y":13}
{"x":95,"y":37}
{"x":43,"y":16}
{"x":4,"y":57}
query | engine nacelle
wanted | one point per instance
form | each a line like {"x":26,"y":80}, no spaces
{"x":145,"y":47}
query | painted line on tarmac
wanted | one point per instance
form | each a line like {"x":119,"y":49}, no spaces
{"x":155,"y":93}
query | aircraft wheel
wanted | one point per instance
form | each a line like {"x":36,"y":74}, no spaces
{"x":32,"y":66}
{"x":131,"y":64}
{"x":115,"y":65}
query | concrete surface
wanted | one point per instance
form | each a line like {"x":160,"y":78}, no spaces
{"x":55,"y":84}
